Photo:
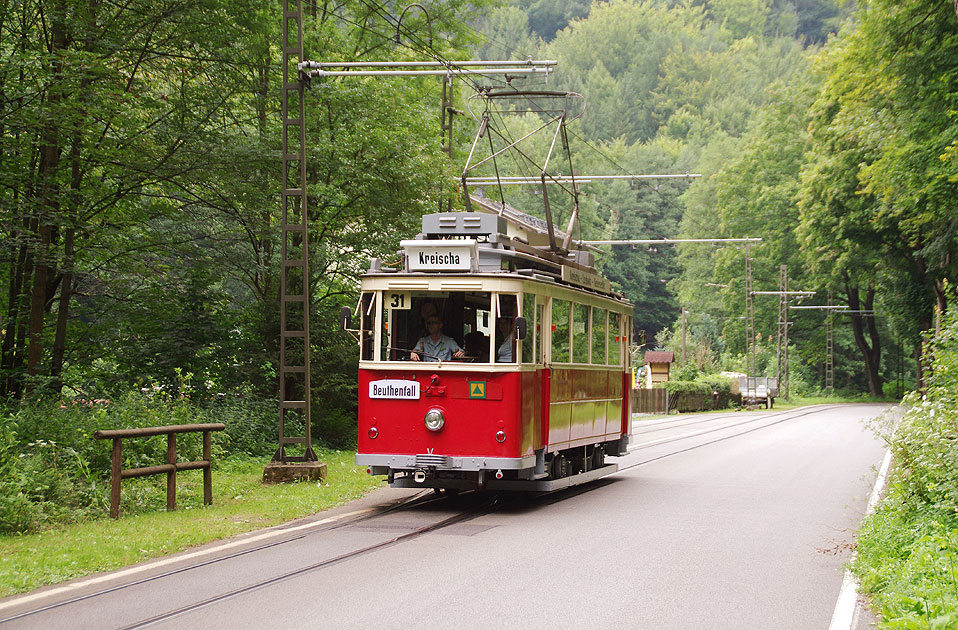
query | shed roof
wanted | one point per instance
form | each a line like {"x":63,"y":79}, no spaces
{"x":655,"y":356}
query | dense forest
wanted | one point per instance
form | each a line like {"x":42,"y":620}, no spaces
{"x":139,"y":186}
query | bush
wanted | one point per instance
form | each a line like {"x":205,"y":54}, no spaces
{"x":908,"y":549}
{"x":687,"y":395}
{"x":52,"y":469}
{"x":42,"y":482}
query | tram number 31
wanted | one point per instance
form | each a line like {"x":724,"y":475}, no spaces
{"x":398,"y":301}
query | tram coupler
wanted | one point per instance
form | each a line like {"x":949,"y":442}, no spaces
{"x":499,"y":474}
{"x":419,"y":476}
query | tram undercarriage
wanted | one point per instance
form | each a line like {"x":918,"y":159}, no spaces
{"x":553,"y":471}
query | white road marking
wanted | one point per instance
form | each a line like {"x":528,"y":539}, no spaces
{"x":845,"y":616}
{"x":123,"y":573}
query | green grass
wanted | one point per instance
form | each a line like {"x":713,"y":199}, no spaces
{"x":241,"y":502}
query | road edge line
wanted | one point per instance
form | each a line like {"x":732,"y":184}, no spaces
{"x":845,"y":615}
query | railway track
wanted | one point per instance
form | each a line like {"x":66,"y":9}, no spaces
{"x":714,"y":429}
{"x":669,"y":437}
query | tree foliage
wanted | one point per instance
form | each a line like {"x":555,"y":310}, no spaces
{"x":140,"y":184}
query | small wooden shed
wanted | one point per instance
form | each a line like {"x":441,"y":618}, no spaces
{"x":657,"y":366}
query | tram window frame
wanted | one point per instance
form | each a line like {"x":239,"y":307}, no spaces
{"x":561,"y":330}
{"x":614,"y":332}
{"x":510,"y":310}
{"x":461,"y":312}
{"x":600,"y":346}
{"x":367,"y":326}
{"x":542,"y":335}
{"x":527,"y":352}
{"x":580,"y":339}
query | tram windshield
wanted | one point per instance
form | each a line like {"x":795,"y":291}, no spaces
{"x":466,"y":326}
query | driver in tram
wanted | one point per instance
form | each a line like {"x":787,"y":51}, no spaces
{"x":435,"y":346}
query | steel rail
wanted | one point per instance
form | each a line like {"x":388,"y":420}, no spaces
{"x":426,"y":529}
{"x":766,"y":416}
{"x":414,"y":501}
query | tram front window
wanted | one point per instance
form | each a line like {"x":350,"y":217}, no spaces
{"x":449,"y":325}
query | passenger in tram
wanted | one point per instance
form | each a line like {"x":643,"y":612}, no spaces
{"x":477,"y":347}
{"x":504,"y":353}
{"x":435,"y":346}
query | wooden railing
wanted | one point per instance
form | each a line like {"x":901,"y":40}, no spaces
{"x":171,"y":465}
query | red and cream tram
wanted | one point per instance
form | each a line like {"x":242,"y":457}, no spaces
{"x":525,"y":383}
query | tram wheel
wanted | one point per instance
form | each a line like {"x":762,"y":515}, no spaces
{"x":598,"y":458}
{"x":560,"y":467}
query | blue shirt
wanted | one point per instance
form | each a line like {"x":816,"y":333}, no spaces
{"x":444,"y":348}
{"x":504,"y":355}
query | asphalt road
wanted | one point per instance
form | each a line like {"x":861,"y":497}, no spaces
{"x":739,"y":520}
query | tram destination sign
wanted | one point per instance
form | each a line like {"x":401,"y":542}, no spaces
{"x":440,"y":255}
{"x":394,"y":388}
{"x":586,"y":279}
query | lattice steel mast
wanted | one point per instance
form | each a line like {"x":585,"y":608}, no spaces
{"x":750,"y":362}
{"x":783,"y":323}
{"x":829,"y":349}
{"x":294,"y":386}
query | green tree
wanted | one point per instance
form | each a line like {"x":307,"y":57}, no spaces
{"x":878,"y":189}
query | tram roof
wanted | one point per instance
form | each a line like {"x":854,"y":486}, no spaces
{"x":495,"y":240}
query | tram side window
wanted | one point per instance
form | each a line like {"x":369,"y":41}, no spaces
{"x":598,"y":335}
{"x":532,"y":327}
{"x":615,"y":344}
{"x":560,"y":331}
{"x":505,"y":328}
{"x":580,"y":334}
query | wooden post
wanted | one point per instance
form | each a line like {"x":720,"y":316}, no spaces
{"x":116,"y":475}
{"x":207,"y":472}
{"x":171,"y":476}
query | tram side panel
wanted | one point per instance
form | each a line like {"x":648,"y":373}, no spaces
{"x":560,"y":408}
{"x":530,"y":412}
{"x":586,"y":406}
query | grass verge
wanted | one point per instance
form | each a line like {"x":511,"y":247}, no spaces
{"x":241,"y":502}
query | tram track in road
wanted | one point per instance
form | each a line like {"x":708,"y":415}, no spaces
{"x":464,"y":507}
{"x":484,"y":508}
{"x":492,"y":502}
{"x":646,"y":427}
{"x":486,"y":504}
{"x":420,"y":499}
{"x":776,"y":418}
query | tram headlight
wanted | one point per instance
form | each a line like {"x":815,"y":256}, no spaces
{"x":434,"y":420}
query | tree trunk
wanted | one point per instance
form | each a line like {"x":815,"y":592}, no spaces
{"x":871,"y":353}
{"x":63,"y":309}
{"x":50,"y":150}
